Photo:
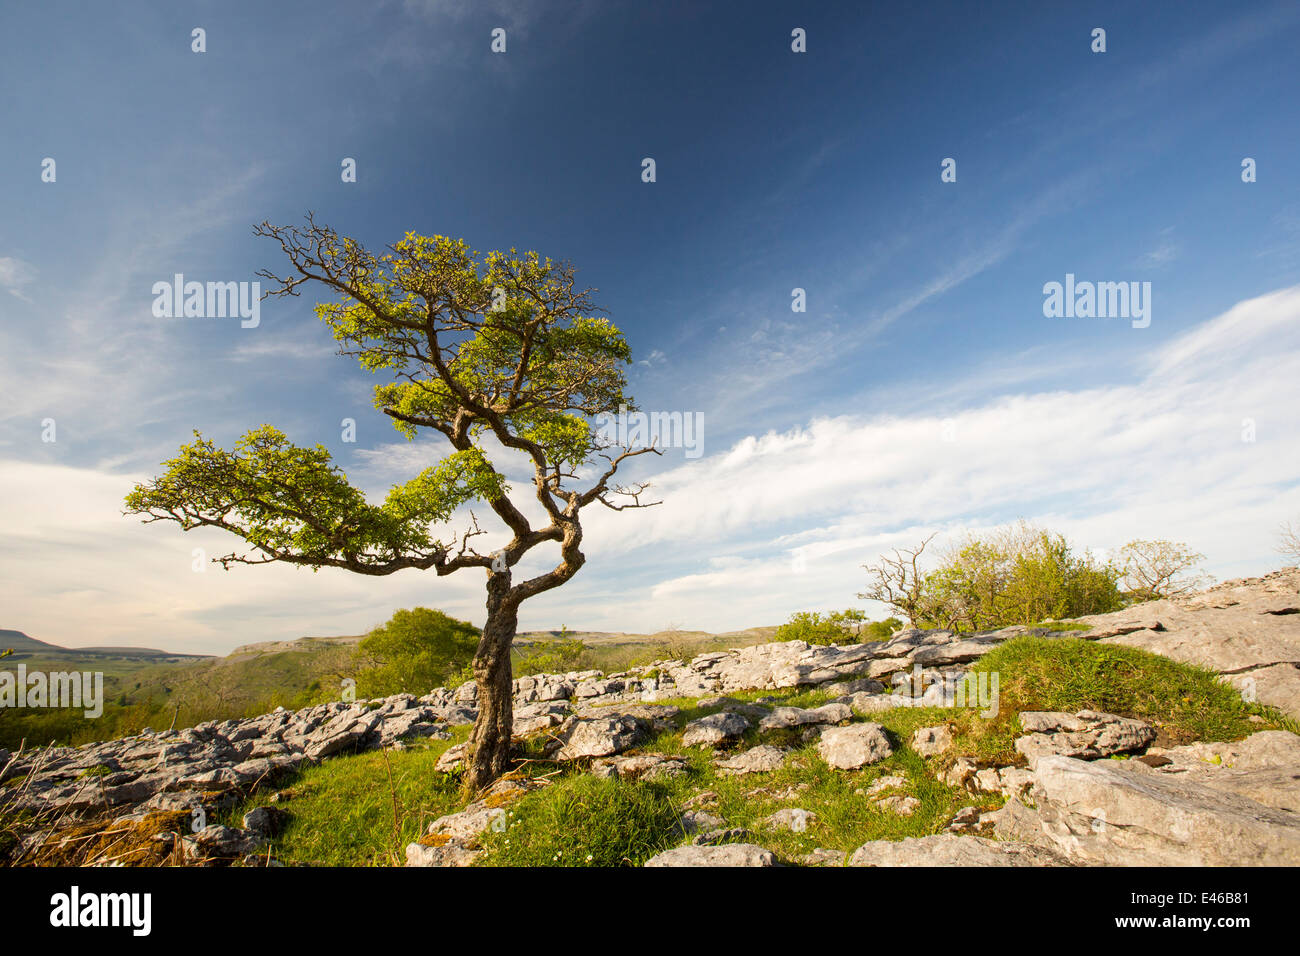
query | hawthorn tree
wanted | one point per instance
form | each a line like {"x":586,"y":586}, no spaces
{"x":502,"y":347}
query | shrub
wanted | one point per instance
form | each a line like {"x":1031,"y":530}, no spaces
{"x":416,"y":651}
{"x":834,"y":628}
{"x":812,"y":627}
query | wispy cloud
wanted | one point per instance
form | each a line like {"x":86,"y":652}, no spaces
{"x":15,"y":274}
{"x":1166,"y":250}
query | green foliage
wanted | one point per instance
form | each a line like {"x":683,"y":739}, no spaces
{"x":1017,"y":576}
{"x":461,"y":675}
{"x":879,"y":630}
{"x":416,"y":651}
{"x":500,"y":345}
{"x":586,"y":821}
{"x":491,"y":305}
{"x":813,"y":627}
{"x":288,"y":501}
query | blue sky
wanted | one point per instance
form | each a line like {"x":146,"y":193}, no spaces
{"x":775,"y":170}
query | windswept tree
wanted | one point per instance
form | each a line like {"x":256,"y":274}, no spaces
{"x":492,"y":352}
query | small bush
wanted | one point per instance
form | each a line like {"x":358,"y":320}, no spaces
{"x":416,"y":651}
{"x":812,"y":627}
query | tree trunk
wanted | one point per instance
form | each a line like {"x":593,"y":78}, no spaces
{"x":489,"y":744}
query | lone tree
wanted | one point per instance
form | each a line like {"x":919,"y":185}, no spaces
{"x":1160,"y":569}
{"x":501,"y":346}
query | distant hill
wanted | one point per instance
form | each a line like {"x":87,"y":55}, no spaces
{"x":21,"y":643}
{"x":296,"y":645}
{"x":24,"y":647}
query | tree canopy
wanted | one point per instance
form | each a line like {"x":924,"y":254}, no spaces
{"x":501,"y":345}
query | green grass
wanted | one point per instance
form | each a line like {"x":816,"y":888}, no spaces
{"x":585,"y":821}
{"x":341,"y":811}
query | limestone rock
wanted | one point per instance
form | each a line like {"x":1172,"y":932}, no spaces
{"x":640,"y":767}
{"x":885,"y":783}
{"x":930,"y":741}
{"x":790,"y":818}
{"x":824,"y":857}
{"x":599,"y":736}
{"x":904,"y":806}
{"x":864,"y":705}
{"x":1108,"y":812}
{"x":698,"y":821}
{"x":961,"y":774}
{"x":760,"y":759}
{"x":715,"y":729}
{"x":727,"y":854}
{"x":447,"y":854}
{"x":946,"y":849}
{"x":265,"y":822}
{"x":216,"y":841}
{"x":1088,"y":734}
{"x":854,"y":746}
{"x":783,"y":718}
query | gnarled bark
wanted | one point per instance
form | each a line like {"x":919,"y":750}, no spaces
{"x":489,"y":744}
